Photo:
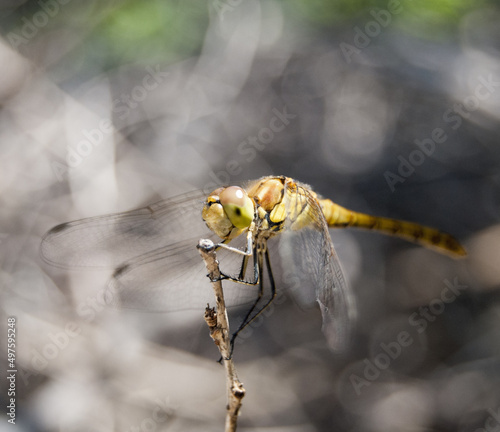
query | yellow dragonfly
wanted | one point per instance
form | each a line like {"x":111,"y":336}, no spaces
{"x":158,"y":268}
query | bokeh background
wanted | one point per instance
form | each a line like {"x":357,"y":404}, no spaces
{"x":393,"y":109}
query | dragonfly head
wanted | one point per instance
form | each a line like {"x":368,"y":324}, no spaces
{"x":228,"y":211}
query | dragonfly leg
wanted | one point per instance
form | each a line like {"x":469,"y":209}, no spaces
{"x":243,"y":268}
{"x":241,"y":276}
{"x":249,"y":249}
{"x":258,"y":280}
{"x":247,"y":319}
{"x":246,"y":255}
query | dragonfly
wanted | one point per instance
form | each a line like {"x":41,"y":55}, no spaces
{"x":157,"y":267}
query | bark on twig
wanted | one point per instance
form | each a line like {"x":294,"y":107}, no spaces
{"x":219,"y":331}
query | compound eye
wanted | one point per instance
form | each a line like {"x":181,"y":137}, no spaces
{"x":238,"y":206}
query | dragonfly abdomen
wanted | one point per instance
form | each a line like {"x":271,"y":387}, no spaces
{"x":339,"y":217}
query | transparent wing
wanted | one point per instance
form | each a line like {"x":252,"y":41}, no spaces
{"x":173,"y":278}
{"x":153,"y":251}
{"x":308,"y":255}
{"x":109,"y":240}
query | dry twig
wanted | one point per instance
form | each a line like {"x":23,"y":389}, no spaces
{"x":219,"y":331}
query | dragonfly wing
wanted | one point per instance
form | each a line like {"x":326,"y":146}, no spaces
{"x":309,"y":255}
{"x":109,"y":240}
{"x":153,"y":251}
{"x":170,"y":279}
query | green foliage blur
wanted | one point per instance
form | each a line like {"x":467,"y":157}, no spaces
{"x":156,"y":29}
{"x":425,"y":18}
{"x":133,"y":31}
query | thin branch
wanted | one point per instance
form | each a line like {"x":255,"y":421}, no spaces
{"x":219,"y":331}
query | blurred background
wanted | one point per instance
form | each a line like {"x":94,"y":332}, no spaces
{"x":386,"y":107}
